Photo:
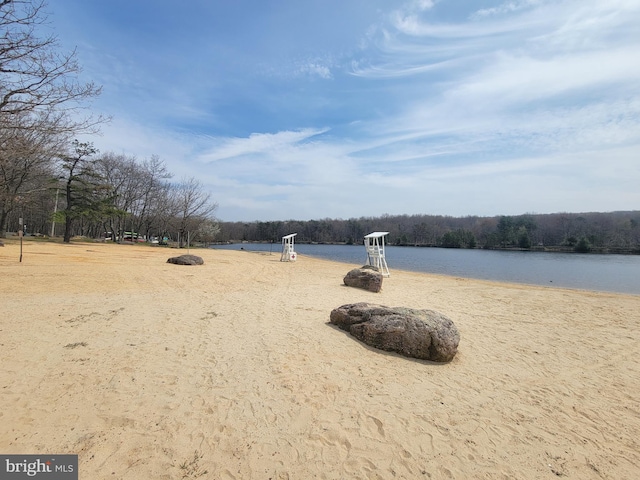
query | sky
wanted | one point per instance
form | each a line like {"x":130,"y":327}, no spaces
{"x":312,"y":109}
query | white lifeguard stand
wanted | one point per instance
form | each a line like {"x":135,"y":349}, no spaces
{"x":374,"y":243}
{"x":288,"y":252}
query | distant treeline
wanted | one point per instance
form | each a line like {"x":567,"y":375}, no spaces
{"x":613,"y":232}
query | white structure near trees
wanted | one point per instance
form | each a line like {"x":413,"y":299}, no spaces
{"x":374,"y":243}
{"x":288,"y":250}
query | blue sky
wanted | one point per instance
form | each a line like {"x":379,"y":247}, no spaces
{"x":309,"y":109}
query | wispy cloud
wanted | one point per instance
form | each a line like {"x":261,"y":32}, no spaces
{"x":256,"y":143}
{"x":514,"y":90}
{"x":507,"y":7}
{"x":315,"y":69}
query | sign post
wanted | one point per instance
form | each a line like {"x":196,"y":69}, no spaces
{"x":20,"y":234}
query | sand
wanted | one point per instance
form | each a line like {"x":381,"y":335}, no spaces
{"x":230,"y":370}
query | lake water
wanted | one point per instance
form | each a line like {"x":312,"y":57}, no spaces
{"x":607,"y":273}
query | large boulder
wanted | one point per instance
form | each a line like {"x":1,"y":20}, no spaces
{"x":186,"y":260}
{"x":366,"y":277}
{"x":422,"y":334}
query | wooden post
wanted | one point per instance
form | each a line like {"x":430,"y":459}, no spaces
{"x":20,"y":234}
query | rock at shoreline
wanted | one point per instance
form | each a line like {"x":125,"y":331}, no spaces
{"x":186,"y":260}
{"x":366,"y":277}
{"x":423,"y":334}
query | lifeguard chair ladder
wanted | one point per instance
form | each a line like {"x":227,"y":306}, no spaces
{"x":374,"y":243}
{"x":288,"y":252}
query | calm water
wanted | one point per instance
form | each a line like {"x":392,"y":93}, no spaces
{"x":608,"y":273}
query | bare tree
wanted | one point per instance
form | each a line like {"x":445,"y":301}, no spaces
{"x":153,"y":178}
{"x":137,"y":190}
{"x":34,"y":75}
{"x":193,"y":205}
{"x":27,"y":151}
{"x":121,"y":173}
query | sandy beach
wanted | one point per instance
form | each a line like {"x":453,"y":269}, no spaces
{"x":230,"y":370}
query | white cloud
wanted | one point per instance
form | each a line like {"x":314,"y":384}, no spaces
{"x":265,"y":143}
{"x":507,"y":7}
{"x":314,"y":69}
{"x":511,"y":78}
{"x":422,"y":5}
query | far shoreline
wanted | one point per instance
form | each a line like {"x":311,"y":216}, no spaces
{"x":538,"y":249}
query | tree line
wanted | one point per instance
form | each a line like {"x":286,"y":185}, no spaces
{"x":615,"y":232}
{"x":110,"y":196}
{"x":49,"y":178}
